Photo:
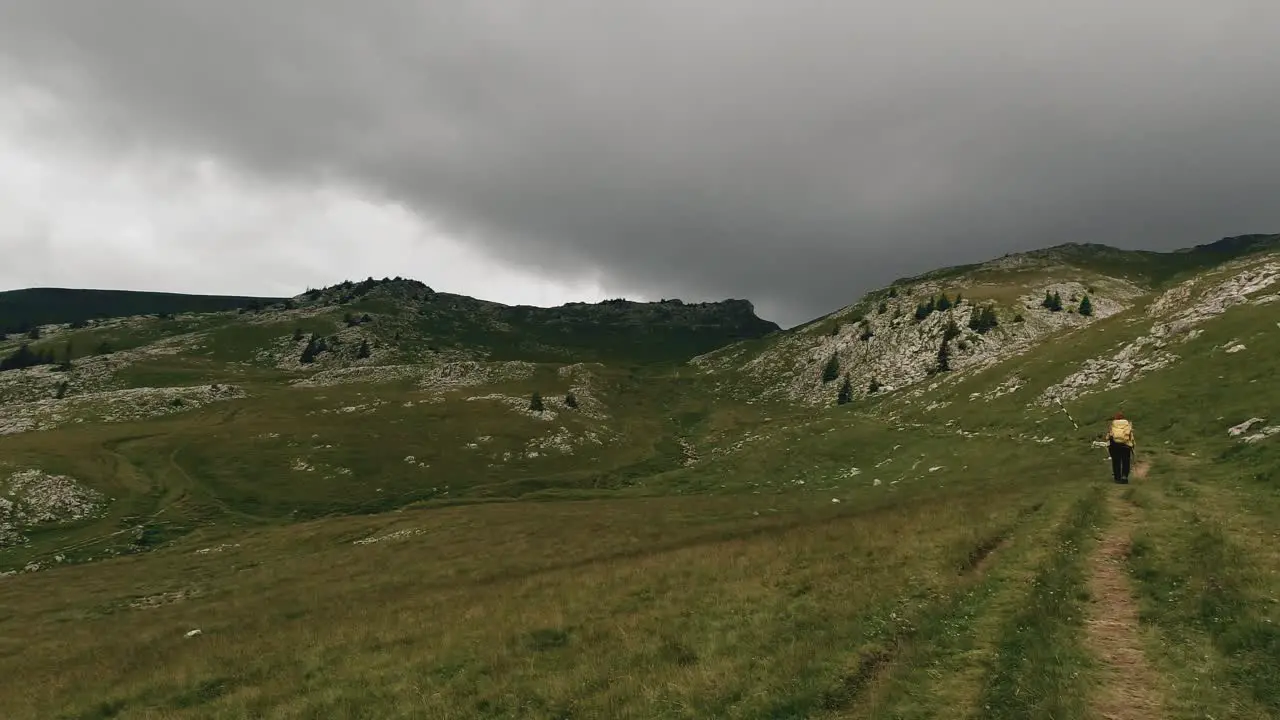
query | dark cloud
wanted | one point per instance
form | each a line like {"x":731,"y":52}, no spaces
{"x":792,"y":153}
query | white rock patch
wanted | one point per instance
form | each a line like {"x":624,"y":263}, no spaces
{"x":29,"y":498}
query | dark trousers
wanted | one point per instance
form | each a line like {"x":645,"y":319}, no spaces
{"x":1120,"y":455}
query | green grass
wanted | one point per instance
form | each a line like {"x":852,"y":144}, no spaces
{"x":709,"y":558}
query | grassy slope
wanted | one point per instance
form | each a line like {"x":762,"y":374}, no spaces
{"x":47,"y":306}
{"x":639,"y":587}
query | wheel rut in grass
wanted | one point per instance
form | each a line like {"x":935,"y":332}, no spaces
{"x":1129,"y":689}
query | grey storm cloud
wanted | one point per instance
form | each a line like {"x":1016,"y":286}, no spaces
{"x":793,"y":153}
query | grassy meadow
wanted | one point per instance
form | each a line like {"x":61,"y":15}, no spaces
{"x":421,"y":545}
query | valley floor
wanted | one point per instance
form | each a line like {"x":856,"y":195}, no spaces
{"x":1035,"y":598}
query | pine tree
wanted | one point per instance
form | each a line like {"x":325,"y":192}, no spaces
{"x":1048,"y":300}
{"x":1018,"y":318}
{"x":983,"y":320}
{"x":570,"y":400}
{"x":61,"y":392}
{"x":846,"y":392}
{"x":874,"y":387}
{"x":958,"y":299}
{"x":867,"y":333}
{"x":922,"y":312}
{"x":310,"y":352}
{"x":1086,"y":306}
{"x":1056,"y":305}
{"x":893,"y":292}
{"x":363,"y":352}
{"x":944,"y":357}
{"x":535,"y":402}
{"x":944,"y":303}
{"x":950,"y":331}
{"x":884,"y":308}
{"x":832,"y":370}
{"x":835,"y":330}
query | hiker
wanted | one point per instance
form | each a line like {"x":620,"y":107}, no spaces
{"x":1120,"y":446}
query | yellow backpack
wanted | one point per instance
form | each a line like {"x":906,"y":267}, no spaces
{"x":1122,"y":432}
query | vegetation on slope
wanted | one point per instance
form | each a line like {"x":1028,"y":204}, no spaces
{"x":22,"y":310}
{"x":408,"y":535}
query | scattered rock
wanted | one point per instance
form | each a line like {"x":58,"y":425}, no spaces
{"x":1244,"y":427}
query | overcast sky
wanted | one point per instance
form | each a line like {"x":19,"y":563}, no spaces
{"x":792,"y":153}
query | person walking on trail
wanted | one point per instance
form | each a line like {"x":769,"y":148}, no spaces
{"x":1120,"y":444}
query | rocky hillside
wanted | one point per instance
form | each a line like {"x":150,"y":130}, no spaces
{"x":984,"y":314}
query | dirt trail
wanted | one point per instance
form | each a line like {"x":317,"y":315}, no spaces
{"x":1129,"y":688}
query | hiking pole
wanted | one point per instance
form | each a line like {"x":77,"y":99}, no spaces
{"x":1064,"y":411}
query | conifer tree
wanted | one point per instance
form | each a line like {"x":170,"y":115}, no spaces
{"x":571,"y":400}
{"x":944,"y":303}
{"x":1056,"y":303}
{"x":944,"y":357}
{"x":832,"y":370}
{"x":846,"y":392}
{"x":1086,"y":306}
{"x":363,"y":352}
{"x":874,"y":387}
{"x":310,"y":352}
{"x":535,"y":402}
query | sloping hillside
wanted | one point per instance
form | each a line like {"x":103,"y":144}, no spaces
{"x":22,"y":310}
{"x":403,"y":533}
{"x":892,"y":338}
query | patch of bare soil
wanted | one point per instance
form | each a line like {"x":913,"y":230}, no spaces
{"x":1129,"y":687}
